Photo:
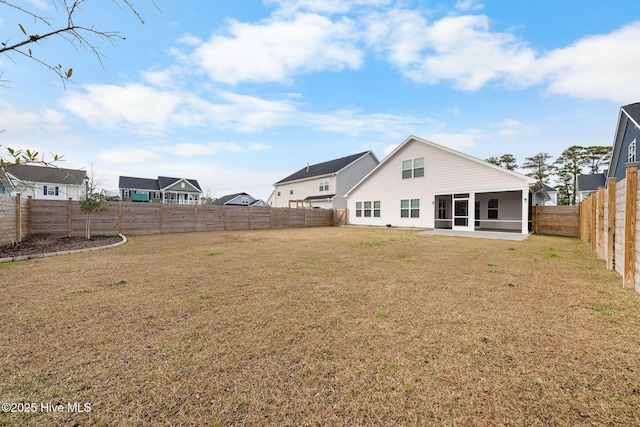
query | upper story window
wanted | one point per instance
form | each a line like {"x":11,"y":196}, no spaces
{"x":324,"y":184}
{"x":245,"y":201}
{"x":182,"y":185}
{"x":413,"y":168}
{"x":291,"y":189}
{"x":631,"y":154}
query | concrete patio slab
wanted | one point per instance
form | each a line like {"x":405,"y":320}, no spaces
{"x":476,"y":234}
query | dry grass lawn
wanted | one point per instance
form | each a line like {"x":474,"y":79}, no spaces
{"x":323,"y":326}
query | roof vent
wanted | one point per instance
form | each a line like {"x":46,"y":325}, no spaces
{"x":307,"y":167}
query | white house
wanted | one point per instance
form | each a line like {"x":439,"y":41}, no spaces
{"x":322,"y":185}
{"x":425,"y":185}
{"x":43,"y":182}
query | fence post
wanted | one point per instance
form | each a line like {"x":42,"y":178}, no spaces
{"x":161,"y":218}
{"x":630,"y":225}
{"x":593,"y":228}
{"x":120,"y":217}
{"x":18,"y":219}
{"x":69,"y":213}
{"x":29,"y":203}
{"x":611,"y":222}
{"x":600,"y":232}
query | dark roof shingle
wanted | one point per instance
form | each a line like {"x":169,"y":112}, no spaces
{"x":46,"y":174}
{"x":325,"y":168}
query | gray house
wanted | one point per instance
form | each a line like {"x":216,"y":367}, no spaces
{"x":176,"y":191}
{"x":239,"y":199}
{"x":323,"y":185}
{"x":588,"y":184}
{"x":625,"y":143}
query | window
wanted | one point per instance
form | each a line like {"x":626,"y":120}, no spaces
{"x":278,"y":192}
{"x":410,"y":208}
{"x":291,"y":189}
{"x":413,"y":168}
{"x":631,"y":154}
{"x":182,"y":185}
{"x":324,"y":184}
{"x":367,"y":209}
{"x":492,"y":209}
{"x":358,"y":209}
{"x":376,"y":209}
{"x":442,"y":209}
{"x":49,"y":190}
{"x":245,"y":201}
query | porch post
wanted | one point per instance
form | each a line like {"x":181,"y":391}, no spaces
{"x":472,"y":211}
{"x":525,"y":212}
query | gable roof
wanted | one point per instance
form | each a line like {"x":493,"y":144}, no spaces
{"x":166,"y":181}
{"x":324,"y":168}
{"x":591,"y":182}
{"x":527,"y":179}
{"x":225,"y":199}
{"x":47,"y":174}
{"x":134,"y":183}
{"x":627,"y":112}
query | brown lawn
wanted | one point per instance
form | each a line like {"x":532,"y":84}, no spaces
{"x":323,"y":326}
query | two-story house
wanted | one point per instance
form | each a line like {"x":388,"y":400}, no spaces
{"x":175,"y":191}
{"x":626,"y":140}
{"x":322,"y":185}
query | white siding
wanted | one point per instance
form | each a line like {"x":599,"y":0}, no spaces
{"x":445,"y":173}
{"x":65,"y":192}
{"x":302,"y":190}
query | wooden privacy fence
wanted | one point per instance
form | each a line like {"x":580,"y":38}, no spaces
{"x":64,"y":218}
{"x":556,"y":220}
{"x":13,"y":219}
{"x":608,"y":223}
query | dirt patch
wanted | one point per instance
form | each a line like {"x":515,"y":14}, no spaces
{"x":321,"y":326}
{"x":41,"y":244}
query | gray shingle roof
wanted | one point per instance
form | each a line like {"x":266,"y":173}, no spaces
{"x":591,"y":182}
{"x":325,"y":168}
{"x":52,"y":175}
{"x":633,"y":110}
{"x":224,"y":199}
{"x":134,"y":183}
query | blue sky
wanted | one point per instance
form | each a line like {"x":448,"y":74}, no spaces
{"x":241,"y":94}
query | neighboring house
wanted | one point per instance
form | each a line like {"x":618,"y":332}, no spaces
{"x":323,"y":185}
{"x":175,"y":191}
{"x":553,"y":196}
{"x":239,"y":199}
{"x":626,"y":140}
{"x":588,"y":184}
{"x":46,"y":182}
{"x":425,"y":185}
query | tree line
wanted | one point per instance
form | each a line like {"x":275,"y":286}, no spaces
{"x":563,"y":172}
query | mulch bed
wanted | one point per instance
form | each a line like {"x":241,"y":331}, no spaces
{"x":41,"y":244}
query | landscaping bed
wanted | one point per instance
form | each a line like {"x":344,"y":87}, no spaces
{"x":41,"y":244}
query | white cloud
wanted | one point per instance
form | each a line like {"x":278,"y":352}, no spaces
{"x":17,"y":123}
{"x":323,"y":6}
{"x":207,"y":149}
{"x":110,"y":107}
{"x":128,"y":156}
{"x":275,"y":50}
{"x":461,"y":49}
{"x":596,"y":67}
{"x":467,"y":5}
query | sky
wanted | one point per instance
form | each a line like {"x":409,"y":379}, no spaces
{"x":240,"y":94}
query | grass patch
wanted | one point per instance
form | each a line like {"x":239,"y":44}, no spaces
{"x":601,"y":309}
{"x":213,"y":253}
{"x":310,"y":341}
